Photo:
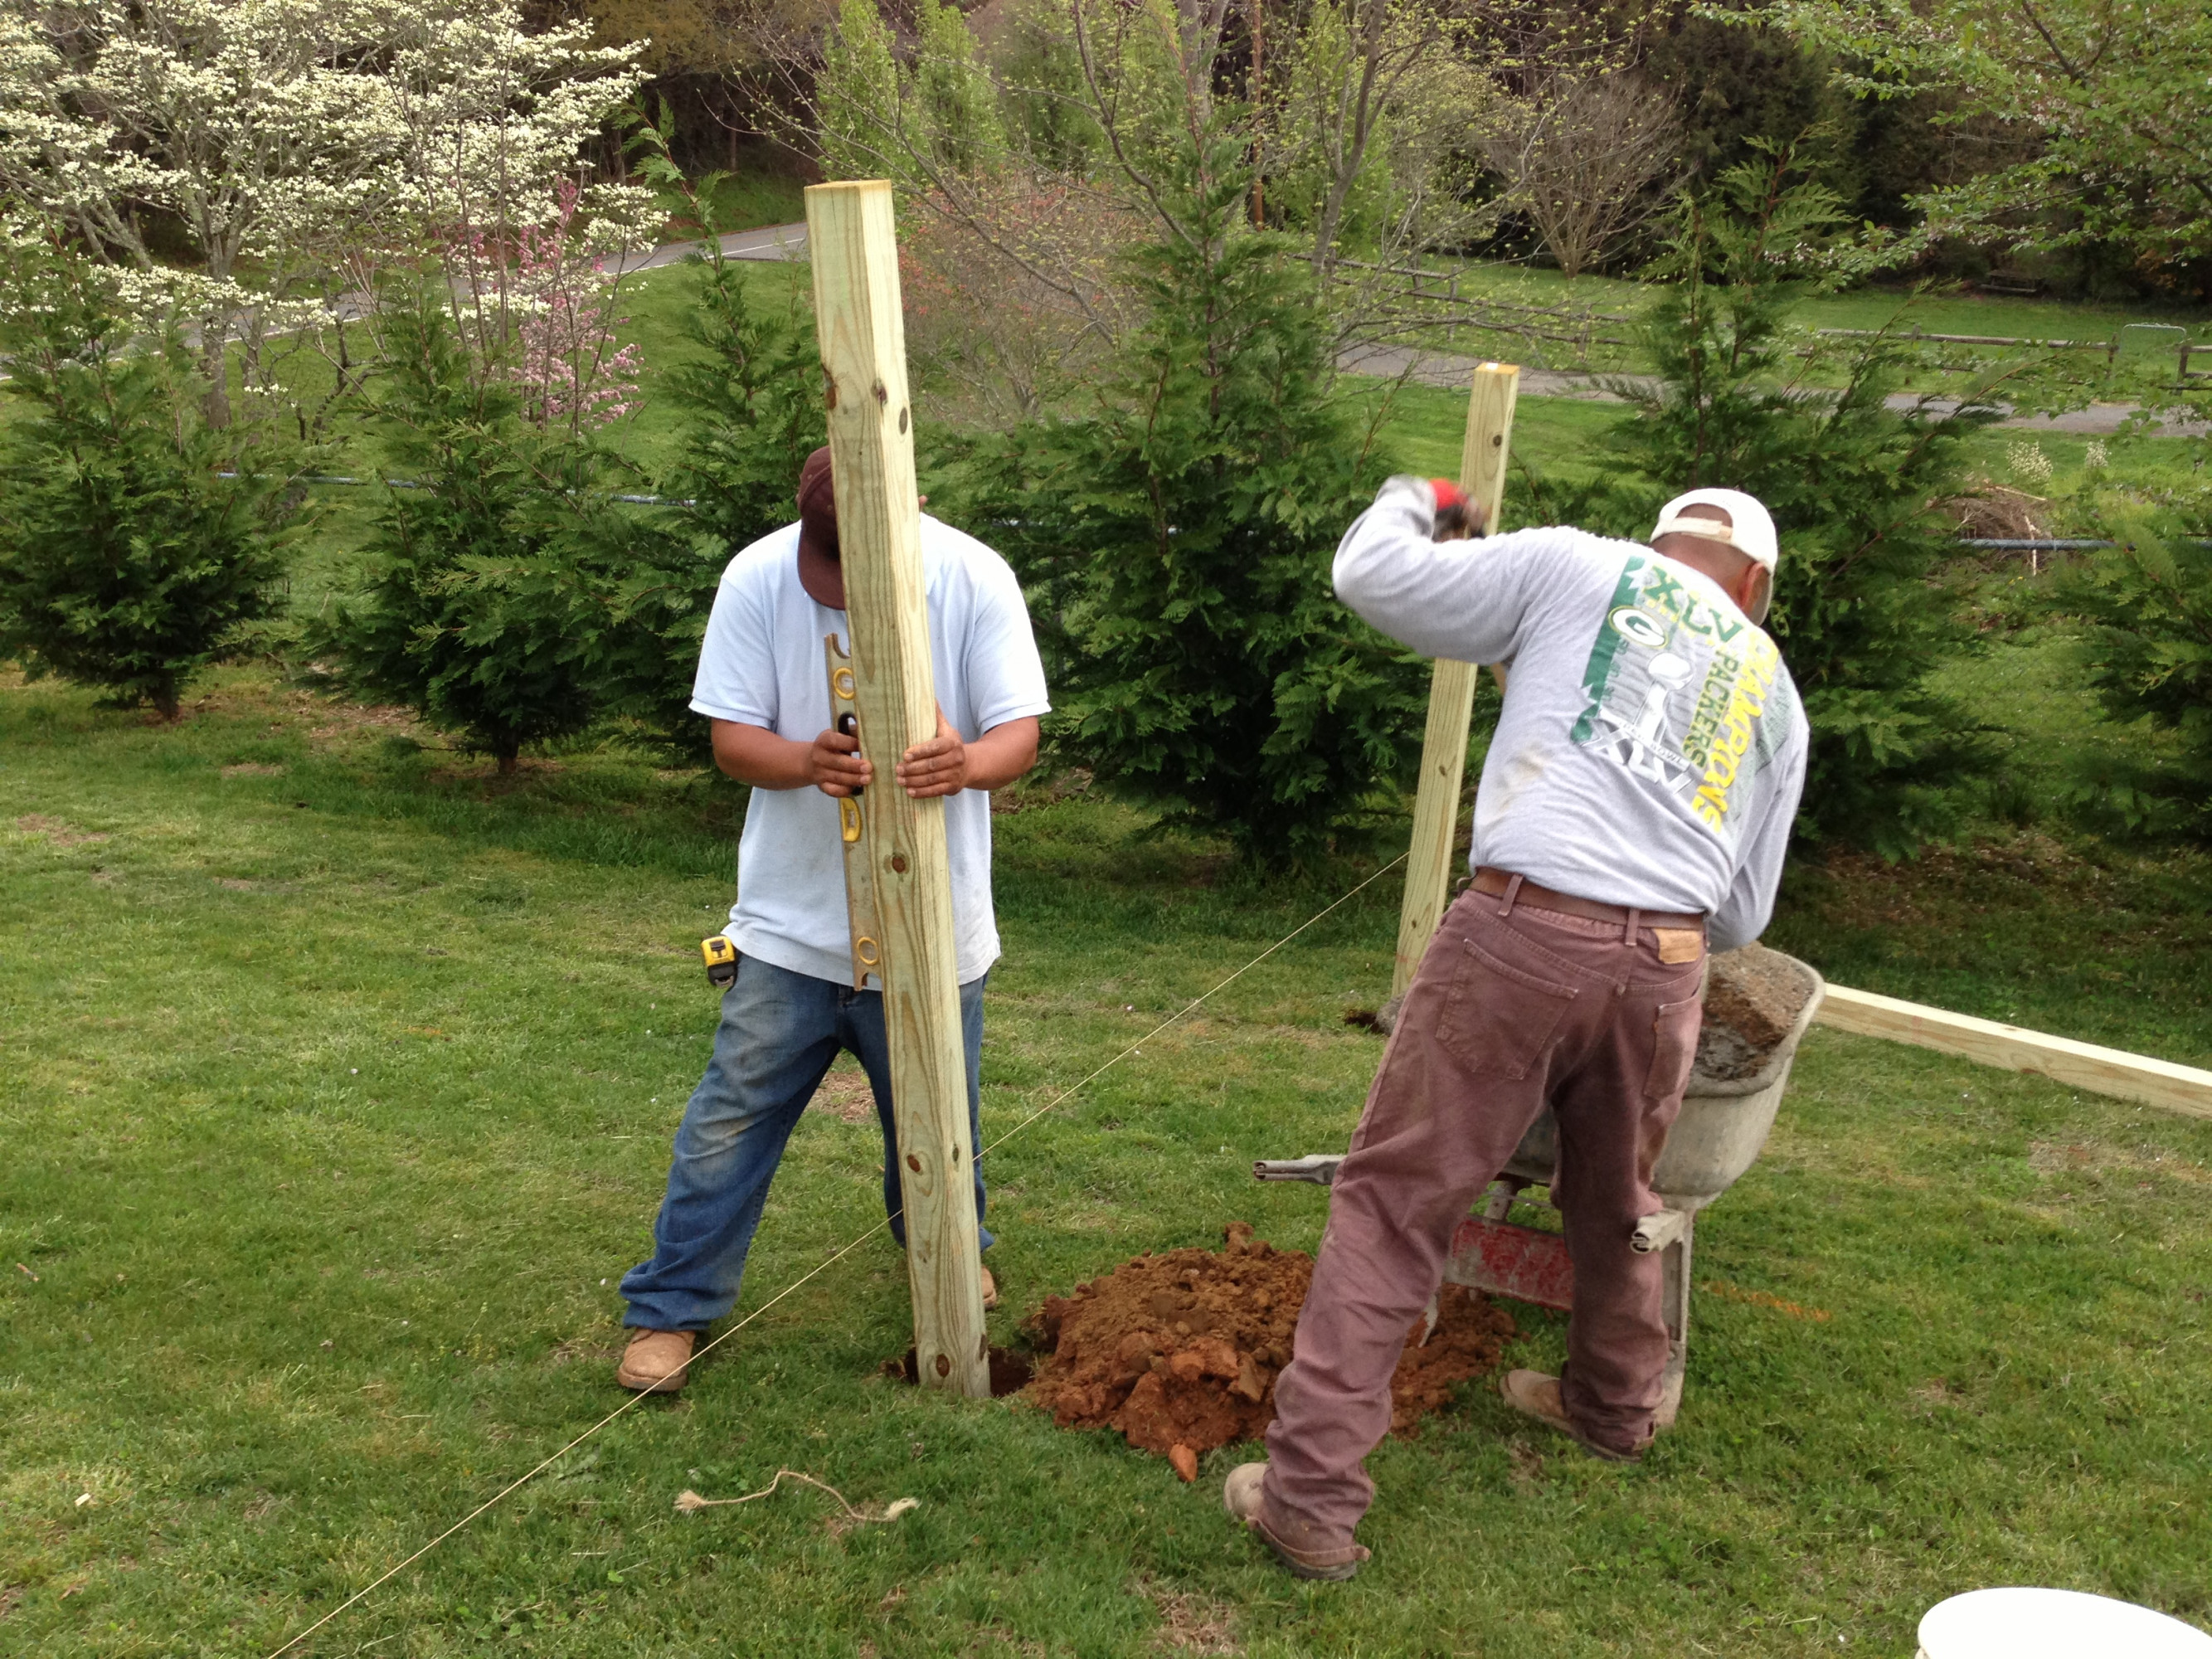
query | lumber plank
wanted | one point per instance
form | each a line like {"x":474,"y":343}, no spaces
{"x":861,"y":331}
{"x":2078,"y":1065}
{"x":1483,"y":457}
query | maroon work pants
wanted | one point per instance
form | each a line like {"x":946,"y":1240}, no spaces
{"x":1514,"y":1008}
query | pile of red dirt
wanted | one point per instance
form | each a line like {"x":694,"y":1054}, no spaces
{"x":1180,"y":1351}
{"x":1752,"y":997}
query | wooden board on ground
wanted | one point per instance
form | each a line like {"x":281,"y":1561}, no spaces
{"x":1452,"y":691}
{"x":863,"y":339}
{"x":2078,"y":1065}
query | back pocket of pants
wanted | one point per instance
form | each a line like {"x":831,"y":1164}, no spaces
{"x":1675,"y":1047}
{"x":1499,"y":1018}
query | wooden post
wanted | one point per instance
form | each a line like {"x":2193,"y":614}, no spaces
{"x":2077,"y":1065}
{"x":1451,"y":690}
{"x":851,"y":240}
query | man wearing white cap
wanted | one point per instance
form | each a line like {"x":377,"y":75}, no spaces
{"x":1633,"y":812}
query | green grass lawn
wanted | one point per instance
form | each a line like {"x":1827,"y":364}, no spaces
{"x":746,"y":200}
{"x":336,"y":1080}
{"x":2142,"y":373}
{"x":1954,"y":312}
{"x":1561,"y":437}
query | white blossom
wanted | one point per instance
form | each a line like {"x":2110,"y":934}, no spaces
{"x":239,"y":163}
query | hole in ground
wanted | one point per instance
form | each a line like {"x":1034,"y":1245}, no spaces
{"x":1010,"y":1371}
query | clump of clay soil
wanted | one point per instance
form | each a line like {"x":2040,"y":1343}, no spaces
{"x":1180,"y":1351}
{"x":1752,"y":997}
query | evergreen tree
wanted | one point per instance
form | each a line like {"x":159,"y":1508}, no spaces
{"x":935,"y":113}
{"x":857,"y":92}
{"x":750,"y":403}
{"x":1863,"y":607}
{"x":467,"y":611}
{"x":135,"y":541}
{"x":950,"y":92}
{"x":1176,"y":542}
{"x":748,"y":400}
{"x":2145,"y":607}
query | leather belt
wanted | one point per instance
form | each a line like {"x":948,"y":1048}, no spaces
{"x":1496,"y":882}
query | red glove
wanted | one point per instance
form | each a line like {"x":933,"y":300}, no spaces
{"x":1457,"y":518}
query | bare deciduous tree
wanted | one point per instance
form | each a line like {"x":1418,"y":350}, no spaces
{"x":1585,"y":159}
{"x":1013,"y":293}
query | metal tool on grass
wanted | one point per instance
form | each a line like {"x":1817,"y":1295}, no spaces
{"x":1721,"y":1131}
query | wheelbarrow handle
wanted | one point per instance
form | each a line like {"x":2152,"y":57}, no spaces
{"x":1320,"y":1168}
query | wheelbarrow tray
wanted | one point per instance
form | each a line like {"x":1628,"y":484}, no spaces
{"x":1721,"y":1129}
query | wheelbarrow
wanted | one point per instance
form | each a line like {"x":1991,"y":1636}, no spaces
{"x":1721,"y":1131}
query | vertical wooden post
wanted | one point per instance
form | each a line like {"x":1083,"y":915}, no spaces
{"x":851,"y":240}
{"x":1451,"y":690}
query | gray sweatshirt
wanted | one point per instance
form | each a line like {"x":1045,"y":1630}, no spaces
{"x":1652,"y":746}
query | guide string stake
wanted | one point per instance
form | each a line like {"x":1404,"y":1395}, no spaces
{"x":636,"y":1400}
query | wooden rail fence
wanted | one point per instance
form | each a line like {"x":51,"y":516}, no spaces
{"x":1991,"y":1043}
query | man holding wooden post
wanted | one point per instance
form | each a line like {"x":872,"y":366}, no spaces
{"x":1634,"y":809}
{"x":930,"y":658}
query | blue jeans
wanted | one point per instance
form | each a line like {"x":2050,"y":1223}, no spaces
{"x":779,"y":1034}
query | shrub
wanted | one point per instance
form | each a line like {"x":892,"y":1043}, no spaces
{"x":1177,"y":542}
{"x":466,"y":611}
{"x":136,"y":542}
{"x":1863,"y":608}
{"x":749,"y":403}
{"x":2147,"y":607}
{"x":750,"y":408}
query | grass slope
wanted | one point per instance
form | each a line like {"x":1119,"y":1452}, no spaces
{"x":335,"y":1081}
{"x":1562,"y":437}
{"x":1619,"y":301}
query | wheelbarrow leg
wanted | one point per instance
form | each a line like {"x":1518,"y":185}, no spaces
{"x":1675,"y":1309}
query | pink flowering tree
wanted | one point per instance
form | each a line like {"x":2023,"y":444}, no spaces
{"x":539,"y":306}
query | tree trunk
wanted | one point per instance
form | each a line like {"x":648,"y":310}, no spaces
{"x":214,"y":363}
{"x":507,"y":761}
{"x":1257,"y":92}
{"x":166,"y":705}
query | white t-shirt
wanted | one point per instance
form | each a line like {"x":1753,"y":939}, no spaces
{"x":761,"y":664}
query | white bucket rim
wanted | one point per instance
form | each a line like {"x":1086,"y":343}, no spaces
{"x":2029,"y":1621}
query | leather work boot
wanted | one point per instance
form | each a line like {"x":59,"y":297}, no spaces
{"x":990,"y":1291}
{"x":656,"y":1362}
{"x":1240,"y":1496}
{"x":1538,"y":1394}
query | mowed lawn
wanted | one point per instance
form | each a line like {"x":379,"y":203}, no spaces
{"x":336,"y":1080}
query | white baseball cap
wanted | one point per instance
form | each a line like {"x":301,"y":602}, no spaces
{"x":1750,"y":529}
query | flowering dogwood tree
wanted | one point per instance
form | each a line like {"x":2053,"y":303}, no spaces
{"x":239,"y":163}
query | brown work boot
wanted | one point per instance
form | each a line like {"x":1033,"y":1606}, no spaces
{"x":990,"y":1291}
{"x":656,"y":1362}
{"x":1240,"y":1496}
{"x":1538,"y":1394}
